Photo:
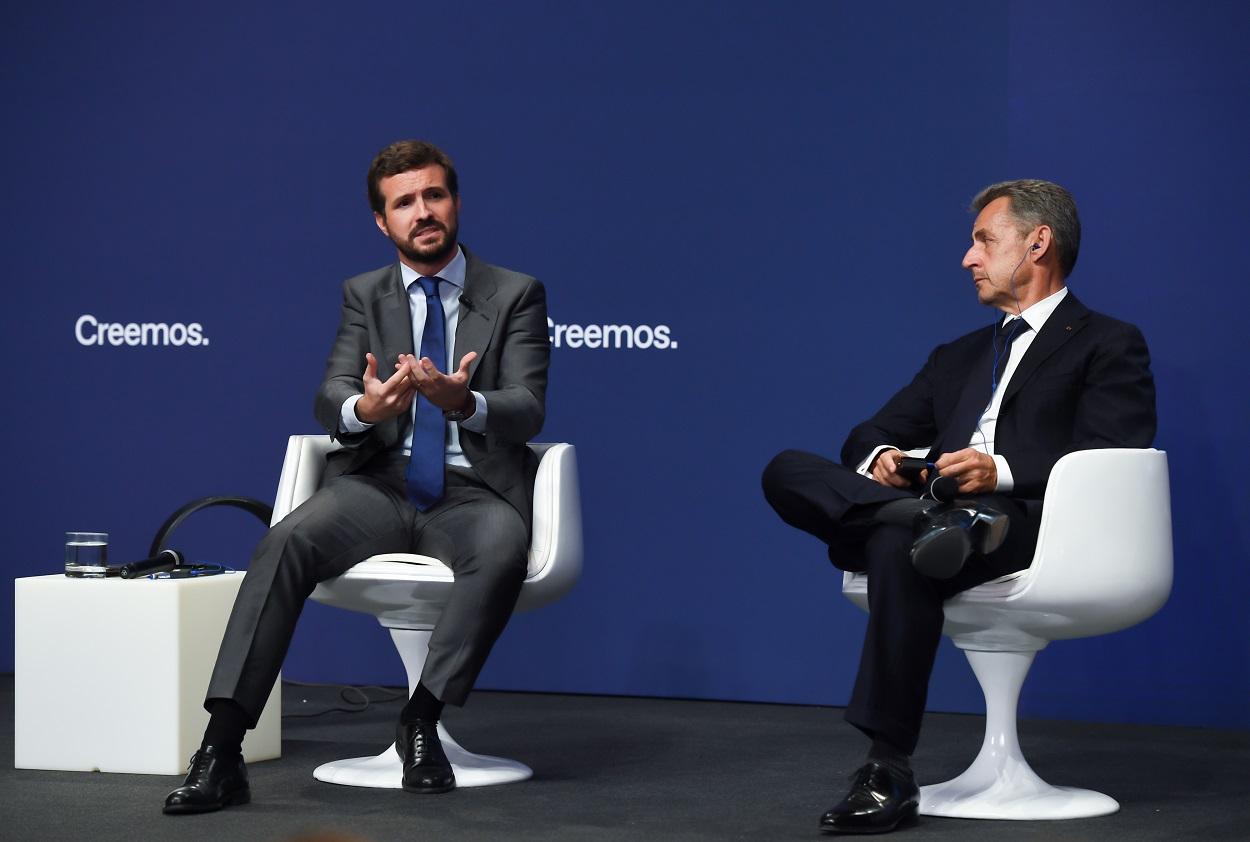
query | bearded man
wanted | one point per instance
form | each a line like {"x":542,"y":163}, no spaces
{"x":436,"y":381}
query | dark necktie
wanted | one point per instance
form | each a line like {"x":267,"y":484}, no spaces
{"x":979,"y":389}
{"x":1006,"y":334}
{"x":429,"y":431}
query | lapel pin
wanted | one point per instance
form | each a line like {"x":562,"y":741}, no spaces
{"x":1067,"y":327}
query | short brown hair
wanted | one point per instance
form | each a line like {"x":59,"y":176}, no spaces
{"x":1035,"y":202}
{"x":402,"y":156}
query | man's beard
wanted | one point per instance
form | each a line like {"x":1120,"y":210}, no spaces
{"x":433,"y":254}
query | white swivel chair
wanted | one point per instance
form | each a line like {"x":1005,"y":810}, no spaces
{"x":1103,"y":563}
{"x":407,"y":594}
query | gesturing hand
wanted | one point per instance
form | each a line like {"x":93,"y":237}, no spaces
{"x":383,"y":400}
{"x":446,"y":391}
{"x":976,"y":471}
{"x":884,"y":469}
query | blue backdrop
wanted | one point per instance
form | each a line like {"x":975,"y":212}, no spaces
{"x":779,"y":185}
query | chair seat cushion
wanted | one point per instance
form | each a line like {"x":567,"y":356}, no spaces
{"x":411,"y":566}
{"x":394,"y":566}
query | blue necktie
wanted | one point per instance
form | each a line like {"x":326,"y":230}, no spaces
{"x":429,"y":431}
{"x":1006,"y":334}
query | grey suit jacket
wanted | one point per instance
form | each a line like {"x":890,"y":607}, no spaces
{"x":503,"y":317}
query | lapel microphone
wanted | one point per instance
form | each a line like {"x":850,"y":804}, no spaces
{"x":467,"y":302}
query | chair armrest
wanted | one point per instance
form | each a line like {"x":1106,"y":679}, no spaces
{"x":1106,"y":532}
{"x":555,"y":558}
{"x":302,"y":468}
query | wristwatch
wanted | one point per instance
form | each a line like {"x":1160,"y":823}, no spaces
{"x":458,"y":415}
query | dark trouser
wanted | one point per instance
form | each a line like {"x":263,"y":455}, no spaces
{"x":905,"y":617}
{"x":472,"y":530}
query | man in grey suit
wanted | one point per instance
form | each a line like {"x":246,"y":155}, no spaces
{"x":454,"y":355}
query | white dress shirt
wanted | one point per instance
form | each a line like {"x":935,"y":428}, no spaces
{"x":449,"y":292}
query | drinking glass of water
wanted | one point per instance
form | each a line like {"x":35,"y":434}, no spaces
{"x":86,"y":554}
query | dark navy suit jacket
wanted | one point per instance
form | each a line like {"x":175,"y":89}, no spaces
{"x":1084,"y":383}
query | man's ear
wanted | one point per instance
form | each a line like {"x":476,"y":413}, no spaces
{"x":1041,"y":242}
{"x":380,"y":221}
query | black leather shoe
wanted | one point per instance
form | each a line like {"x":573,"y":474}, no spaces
{"x":881,"y":798}
{"x":947,"y":534}
{"x":216,"y":779}
{"x":426,"y":768}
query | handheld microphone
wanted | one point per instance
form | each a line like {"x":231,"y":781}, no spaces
{"x":162,"y":561}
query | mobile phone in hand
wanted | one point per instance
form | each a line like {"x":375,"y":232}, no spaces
{"x":912,"y":466}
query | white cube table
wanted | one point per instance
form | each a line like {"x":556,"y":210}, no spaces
{"x":110,"y":674}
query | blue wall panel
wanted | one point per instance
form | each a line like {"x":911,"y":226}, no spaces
{"x":781,"y":187}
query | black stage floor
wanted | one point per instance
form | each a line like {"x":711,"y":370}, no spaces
{"x":629,"y":768}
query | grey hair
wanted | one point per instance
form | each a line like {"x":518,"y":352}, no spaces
{"x":1035,"y":202}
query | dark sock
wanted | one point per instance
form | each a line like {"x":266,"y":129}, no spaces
{"x":887,"y":754}
{"x":901,"y":512}
{"x":227,"y":723}
{"x":423,"y":705}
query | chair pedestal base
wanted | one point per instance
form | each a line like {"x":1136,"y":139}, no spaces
{"x":385,"y":770}
{"x":1000,"y":784}
{"x":977,"y":796}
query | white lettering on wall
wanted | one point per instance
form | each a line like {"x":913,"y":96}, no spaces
{"x":89,"y":330}
{"x":642,"y":337}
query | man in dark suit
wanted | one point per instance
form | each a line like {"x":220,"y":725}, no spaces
{"x":995,"y":410}
{"x":454,"y":357}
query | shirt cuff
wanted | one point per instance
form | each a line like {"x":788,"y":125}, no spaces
{"x":1005,"y":481}
{"x":476,"y":423}
{"x":348,"y":422}
{"x":865,"y":467}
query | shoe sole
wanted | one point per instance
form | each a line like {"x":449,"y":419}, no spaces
{"x":942,"y":554}
{"x":907,"y":816}
{"x":990,"y":531}
{"x":238,"y":797}
{"x":429,"y":790}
